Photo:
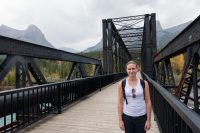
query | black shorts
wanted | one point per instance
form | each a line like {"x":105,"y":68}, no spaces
{"x":134,"y":124}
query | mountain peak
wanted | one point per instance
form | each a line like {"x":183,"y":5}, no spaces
{"x":158,"y":26}
{"x":32,"y":34}
{"x":32,"y":26}
{"x":4,"y":26}
{"x":33,"y":29}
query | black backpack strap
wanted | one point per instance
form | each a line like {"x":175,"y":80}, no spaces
{"x":143,"y":86}
{"x":123,"y":89}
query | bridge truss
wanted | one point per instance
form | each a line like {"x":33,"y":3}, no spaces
{"x":186,"y":43}
{"x":129,"y":38}
{"x":20,"y":54}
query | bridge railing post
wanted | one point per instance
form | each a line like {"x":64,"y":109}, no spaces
{"x":59,"y":98}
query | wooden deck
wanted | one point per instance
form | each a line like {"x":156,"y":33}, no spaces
{"x":96,"y":113}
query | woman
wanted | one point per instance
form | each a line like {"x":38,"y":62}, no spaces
{"x":134,"y":113}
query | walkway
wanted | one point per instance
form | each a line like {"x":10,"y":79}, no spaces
{"x":96,"y":113}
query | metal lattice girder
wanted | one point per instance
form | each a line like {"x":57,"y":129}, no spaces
{"x":77,"y":68}
{"x":119,"y":39}
{"x":191,"y":80}
{"x":113,"y":38}
{"x":98,"y":70}
{"x":82,"y":70}
{"x":16,"y":47}
{"x":139,"y":34}
{"x":23,"y":64}
{"x":169,"y":72}
{"x":129,"y":18}
{"x":189,"y":36}
{"x":110,"y":47}
{"x":104,"y":32}
{"x":6,"y":66}
{"x":71,"y":70}
{"x":35,"y":71}
{"x":20,"y":75}
{"x":195,"y":86}
{"x":132,"y":47}
{"x":187,"y":65}
{"x":130,"y":41}
{"x":128,"y":32}
{"x":130,"y":28}
{"x":146,"y":47}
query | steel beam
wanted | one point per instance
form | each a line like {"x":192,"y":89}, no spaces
{"x":82,"y":70}
{"x":76,"y":69}
{"x":153,"y":42}
{"x":169,"y":72}
{"x":20,"y":75}
{"x":110,"y":43}
{"x":6,"y":66}
{"x":116,"y":56}
{"x":195,"y":82}
{"x":71,"y":71}
{"x":120,"y":58}
{"x":98,"y":70}
{"x":17,"y":47}
{"x":104,"y":31}
{"x":146,"y":52}
{"x":35,"y":71}
{"x":120,"y":41}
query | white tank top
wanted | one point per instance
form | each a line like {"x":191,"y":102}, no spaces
{"x":136,"y":106}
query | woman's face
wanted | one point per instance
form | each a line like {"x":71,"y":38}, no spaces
{"x":131,"y":70}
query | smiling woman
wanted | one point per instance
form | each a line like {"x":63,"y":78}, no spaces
{"x":134,"y":104}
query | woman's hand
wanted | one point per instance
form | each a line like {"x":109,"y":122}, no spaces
{"x":147,"y":125}
{"x":121,"y":125}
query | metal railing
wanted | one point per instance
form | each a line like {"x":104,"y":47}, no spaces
{"x":172,"y":115}
{"x":22,"y":107}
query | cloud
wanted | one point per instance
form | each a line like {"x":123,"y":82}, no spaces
{"x":78,"y":23}
{"x":179,"y":12}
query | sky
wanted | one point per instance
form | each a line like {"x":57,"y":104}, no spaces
{"x":77,"y":24}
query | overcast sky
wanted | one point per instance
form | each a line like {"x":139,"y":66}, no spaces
{"x":78,"y":23}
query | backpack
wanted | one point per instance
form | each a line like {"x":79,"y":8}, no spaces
{"x":123,"y":88}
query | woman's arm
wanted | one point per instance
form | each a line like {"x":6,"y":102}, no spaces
{"x":120,"y":106}
{"x":148,"y":106}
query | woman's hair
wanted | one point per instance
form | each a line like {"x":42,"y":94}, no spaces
{"x":132,"y":62}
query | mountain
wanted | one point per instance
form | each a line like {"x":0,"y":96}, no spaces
{"x":71,"y":50}
{"x":166,"y":35}
{"x":163,"y":36}
{"x":31,"y":34}
{"x":97,"y":47}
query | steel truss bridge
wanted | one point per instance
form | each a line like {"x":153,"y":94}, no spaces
{"x":176,"y":104}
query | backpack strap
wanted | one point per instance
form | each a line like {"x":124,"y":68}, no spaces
{"x":143,"y":86}
{"x":123,"y":89}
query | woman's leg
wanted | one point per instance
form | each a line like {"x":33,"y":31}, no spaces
{"x":139,"y":124}
{"x":128,"y":123}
